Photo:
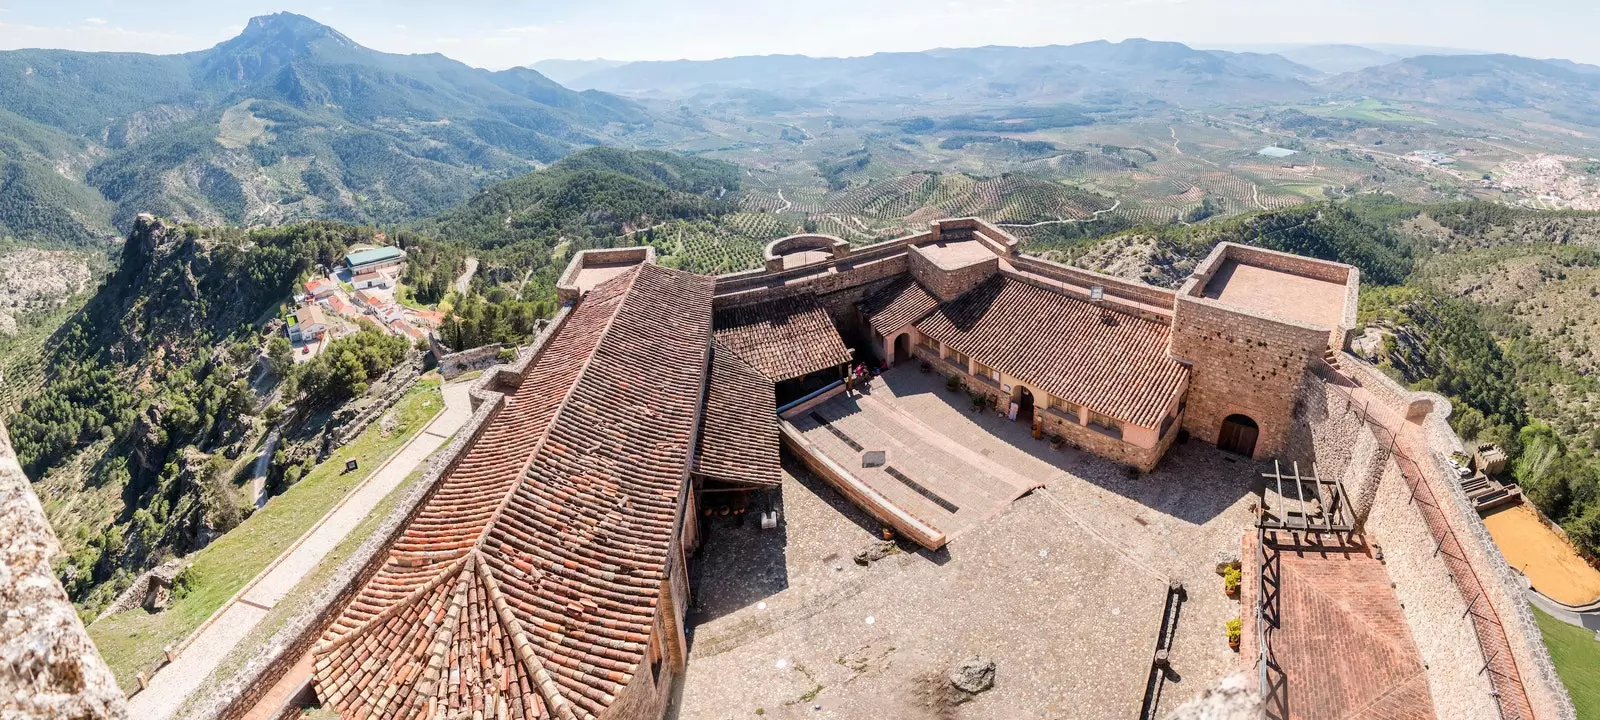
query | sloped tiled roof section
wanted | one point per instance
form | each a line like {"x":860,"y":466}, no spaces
{"x":1110,"y":362}
{"x":897,"y":304}
{"x":526,"y":586}
{"x":739,"y":434}
{"x":784,"y":338}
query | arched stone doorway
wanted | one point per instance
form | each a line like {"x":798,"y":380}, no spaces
{"x":1238,"y":435}
{"x":1023,"y":397}
{"x":902,"y":348}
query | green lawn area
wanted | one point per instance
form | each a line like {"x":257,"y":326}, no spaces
{"x":1371,"y":110}
{"x":134,"y":640}
{"x":1577,"y":657}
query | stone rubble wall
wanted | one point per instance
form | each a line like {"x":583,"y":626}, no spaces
{"x":397,"y":383}
{"x":453,"y":365}
{"x":135,"y":594}
{"x":234,"y":697}
{"x":49,"y":667}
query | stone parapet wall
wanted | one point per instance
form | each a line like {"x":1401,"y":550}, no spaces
{"x":773,"y":253}
{"x":48,"y":665}
{"x":1115,"y":287}
{"x":1242,"y":364}
{"x":1324,"y":270}
{"x":1502,"y":588}
{"x":234,"y":697}
{"x":948,"y":284}
{"x":737,"y":283}
{"x":567,"y":286}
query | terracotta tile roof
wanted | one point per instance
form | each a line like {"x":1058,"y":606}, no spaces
{"x":784,"y":338}
{"x":527,"y":583}
{"x":739,"y":433}
{"x":1118,"y":368}
{"x":897,"y":304}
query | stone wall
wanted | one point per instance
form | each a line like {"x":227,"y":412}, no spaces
{"x":233,"y":697}
{"x":948,"y":283}
{"x":1244,"y":364}
{"x":1072,"y":430}
{"x":1433,"y":607}
{"x":453,"y":365}
{"x":48,"y":665}
{"x":1503,"y":589}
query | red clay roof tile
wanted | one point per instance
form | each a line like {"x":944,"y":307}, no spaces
{"x":528,"y":581}
{"x":739,"y":434}
{"x":784,"y":338}
{"x":1107,"y":361}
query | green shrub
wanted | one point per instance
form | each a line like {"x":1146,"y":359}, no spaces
{"x":1234,"y":627}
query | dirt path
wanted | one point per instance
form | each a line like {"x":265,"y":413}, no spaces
{"x":786,"y":203}
{"x":466,"y":276}
{"x":214,"y":639}
{"x":1094,"y":216}
{"x":1174,"y":132}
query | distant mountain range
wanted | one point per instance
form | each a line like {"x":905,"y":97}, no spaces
{"x":1099,"y":72}
{"x":291,"y":119}
{"x":1132,"y":72}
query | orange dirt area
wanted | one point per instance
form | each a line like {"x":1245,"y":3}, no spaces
{"x":1553,"y":567}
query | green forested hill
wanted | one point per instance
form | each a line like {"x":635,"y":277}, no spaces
{"x":290,"y":120}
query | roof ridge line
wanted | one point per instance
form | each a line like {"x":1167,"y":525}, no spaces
{"x":566,"y":399}
{"x":388,"y":612}
{"x":523,"y":647}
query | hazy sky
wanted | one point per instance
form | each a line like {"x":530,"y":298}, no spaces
{"x":497,"y":34}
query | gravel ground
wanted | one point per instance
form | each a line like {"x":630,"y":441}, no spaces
{"x":1063,"y":590}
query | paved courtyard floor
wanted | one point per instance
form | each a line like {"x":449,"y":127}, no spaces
{"x":1063,"y":588}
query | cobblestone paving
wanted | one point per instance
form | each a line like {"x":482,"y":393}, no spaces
{"x":1064,"y":588}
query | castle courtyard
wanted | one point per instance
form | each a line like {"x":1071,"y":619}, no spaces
{"x":1063,"y":588}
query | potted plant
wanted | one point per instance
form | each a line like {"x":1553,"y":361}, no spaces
{"x":1230,"y":580}
{"x":1056,"y":441}
{"x":953,"y":383}
{"x":925,"y":366}
{"x":1235,"y":627}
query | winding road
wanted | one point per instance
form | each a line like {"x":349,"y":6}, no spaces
{"x":1094,"y":216}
